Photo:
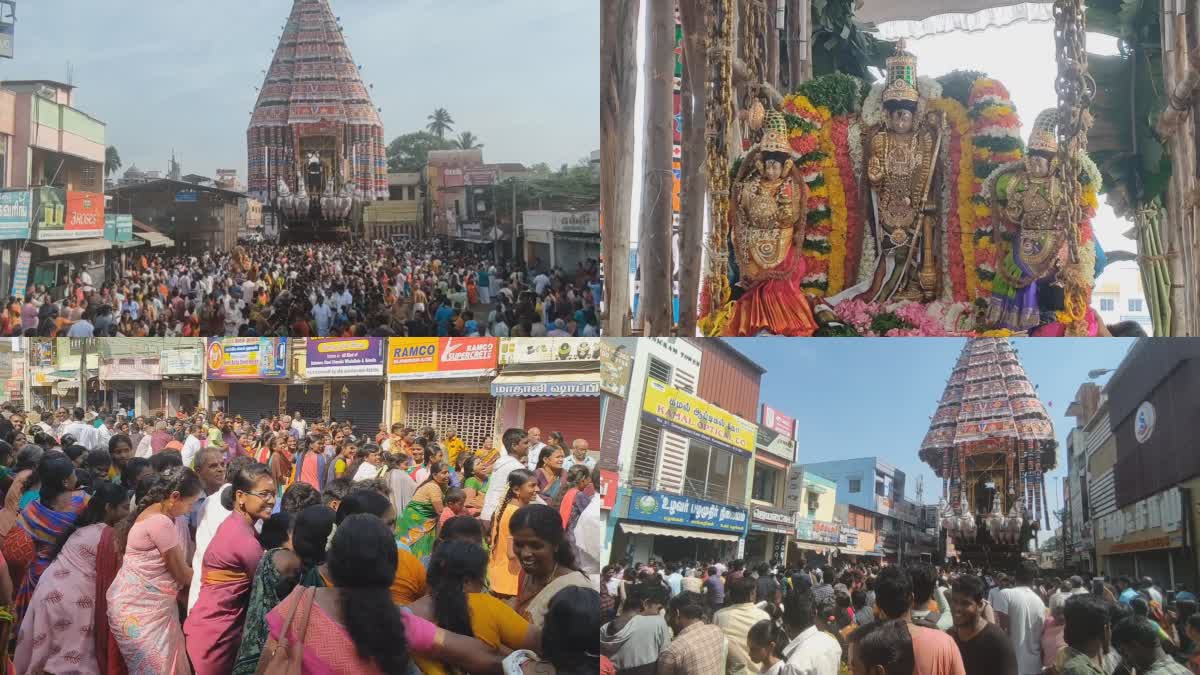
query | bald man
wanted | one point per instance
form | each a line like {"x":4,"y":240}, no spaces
{"x":535,"y":447}
{"x":579,"y":455}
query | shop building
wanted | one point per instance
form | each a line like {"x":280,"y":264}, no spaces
{"x":55,"y":366}
{"x":562,"y":239}
{"x":187,"y":217}
{"x":552,"y":384}
{"x":182,"y":369}
{"x":348,"y":372}
{"x":874,"y":495}
{"x":443,"y":383}
{"x":132,"y":372}
{"x":251,"y":377}
{"x":817,"y":534}
{"x":772,"y":523}
{"x":12,"y":370}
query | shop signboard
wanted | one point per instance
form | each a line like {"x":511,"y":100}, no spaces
{"x":546,"y":387}
{"x":577,"y":223}
{"x":821,"y":531}
{"x":439,"y":358}
{"x":616,"y":367}
{"x":772,"y":520}
{"x":49,"y":212}
{"x":186,"y":197}
{"x":82,"y":216}
{"x":849,"y":537}
{"x":690,"y":416}
{"x":247,"y":358}
{"x":519,"y":351}
{"x":608,"y":489}
{"x":344,"y":357}
{"x":21,"y":273}
{"x":118,"y":227}
{"x":795,"y":488}
{"x":771,"y":441}
{"x":125,"y":368}
{"x":668,"y":509}
{"x":181,"y":362}
{"x":16,"y":212}
{"x":773,"y":419}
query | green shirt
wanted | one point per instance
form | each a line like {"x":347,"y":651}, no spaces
{"x":475,"y":484}
{"x":1075,"y":662}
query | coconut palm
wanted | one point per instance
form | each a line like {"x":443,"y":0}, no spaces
{"x":467,"y":141}
{"x":440,"y":122}
{"x":112,"y":161}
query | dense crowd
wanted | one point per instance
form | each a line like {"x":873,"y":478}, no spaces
{"x":711,"y":618}
{"x":216,"y":544}
{"x":402,"y":288}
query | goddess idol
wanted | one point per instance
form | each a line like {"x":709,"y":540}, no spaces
{"x":767,"y":231}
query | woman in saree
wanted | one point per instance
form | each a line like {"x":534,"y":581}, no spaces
{"x":549,"y":474}
{"x":458,"y":603}
{"x":356,"y":610}
{"x":59,"y":505}
{"x":300,"y":562}
{"x":472,"y":290}
{"x":16,"y":547}
{"x":66,"y":626}
{"x":280,"y":462}
{"x":143,"y":612}
{"x":503,"y":568}
{"x":214,"y":626}
{"x":416,"y":527}
{"x":547,"y":560}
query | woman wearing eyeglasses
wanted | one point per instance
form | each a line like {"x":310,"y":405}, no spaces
{"x":214,"y":626}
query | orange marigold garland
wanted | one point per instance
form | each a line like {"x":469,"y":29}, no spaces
{"x":996,"y":134}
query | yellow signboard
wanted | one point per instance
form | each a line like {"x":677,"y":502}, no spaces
{"x":686,"y":414}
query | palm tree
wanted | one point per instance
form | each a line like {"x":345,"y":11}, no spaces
{"x":440,"y":122}
{"x":467,"y":141}
{"x":112,"y":161}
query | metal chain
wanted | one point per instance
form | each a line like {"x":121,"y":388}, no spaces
{"x":1076,"y":91}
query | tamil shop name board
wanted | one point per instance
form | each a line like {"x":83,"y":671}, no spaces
{"x":247,"y":358}
{"x":65,"y":214}
{"x":16,"y":211}
{"x":438,"y":358}
{"x":118,"y":227}
{"x":821,"y":531}
{"x":685,"y":414}
{"x":771,"y":441}
{"x":343,"y":357}
{"x":770,"y":520}
{"x":182,"y":361}
{"x":546,"y":388}
{"x":514,"y":351}
{"x":657,"y":507}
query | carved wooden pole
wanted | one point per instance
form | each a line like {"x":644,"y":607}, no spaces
{"x":618,"y":78}
{"x":695,"y":175}
{"x":772,"y":41}
{"x":654,"y":244}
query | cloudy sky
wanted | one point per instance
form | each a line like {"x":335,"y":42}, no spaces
{"x":520,"y":74}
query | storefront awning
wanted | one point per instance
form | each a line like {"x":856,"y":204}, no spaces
{"x":860,"y":552}
{"x":546,"y":384}
{"x":819,"y":548}
{"x":155,"y":239}
{"x":659,"y":531}
{"x":73,"y":246}
{"x":128,"y":244}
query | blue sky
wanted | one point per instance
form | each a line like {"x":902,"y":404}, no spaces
{"x":855,"y":398}
{"x":520,"y":74}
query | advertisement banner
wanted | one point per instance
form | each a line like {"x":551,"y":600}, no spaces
{"x":690,"y":416}
{"x":49,"y":212}
{"x":247,"y":358}
{"x":118,"y":227}
{"x":438,"y":358}
{"x":548,"y":350}
{"x":775,"y":443}
{"x":130,"y":368}
{"x":772,"y":520}
{"x":21,"y":273}
{"x":658,"y":507}
{"x":821,"y":531}
{"x":16,"y":212}
{"x":608,"y":489}
{"x":182,"y":361}
{"x":84,"y":217}
{"x":773,"y":419}
{"x":340,"y":357}
{"x":616,"y":367}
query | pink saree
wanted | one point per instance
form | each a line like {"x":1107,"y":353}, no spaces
{"x":214,"y":626}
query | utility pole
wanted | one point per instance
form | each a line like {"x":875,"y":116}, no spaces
{"x":514,"y":220}
{"x":83,"y":374}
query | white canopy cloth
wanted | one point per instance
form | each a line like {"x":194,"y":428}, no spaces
{"x":919,"y":18}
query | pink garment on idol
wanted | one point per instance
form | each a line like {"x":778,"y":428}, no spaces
{"x":214,"y":626}
{"x":56,"y":634}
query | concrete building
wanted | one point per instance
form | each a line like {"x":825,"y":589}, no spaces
{"x":196,"y":218}
{"x":561,"y":239}
{"x":446,"y":192}
{"x":1119,"y":296}
{"x":1083,"y":441}
{"x":402,"y":214}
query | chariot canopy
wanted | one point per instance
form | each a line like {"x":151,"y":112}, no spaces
{"x":918,"y":18}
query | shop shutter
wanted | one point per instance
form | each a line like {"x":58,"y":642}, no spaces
{"x":610,"y":439}
{"x":253,"y":401}
{"x":471,"y":415}
{"x":573,"y":417}
{"x":308,"y":399}
{"x":364,"y":406}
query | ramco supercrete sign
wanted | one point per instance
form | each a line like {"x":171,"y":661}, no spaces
{"x":659,"y":507}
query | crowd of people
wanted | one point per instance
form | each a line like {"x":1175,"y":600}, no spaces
{"x":214,"y":544}
{"x":347,"y":289}
{"x":712,"y":618}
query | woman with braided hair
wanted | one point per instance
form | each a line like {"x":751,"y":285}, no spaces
{"x":503,"y":568}
{"x":142,"y":609}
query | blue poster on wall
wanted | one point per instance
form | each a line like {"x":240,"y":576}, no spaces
{"x":669,"y":509}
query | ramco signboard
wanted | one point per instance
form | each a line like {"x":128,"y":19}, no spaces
{"x":660,"y":507}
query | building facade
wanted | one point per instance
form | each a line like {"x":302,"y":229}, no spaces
{"x":561,"y":239}
{"x":193,"y":217}
{"x":871,"y":498}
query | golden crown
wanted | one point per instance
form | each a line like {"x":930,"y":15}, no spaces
{"x":775,"y":134}
{"x":902,"y":76}
{"x":1044,"y":136}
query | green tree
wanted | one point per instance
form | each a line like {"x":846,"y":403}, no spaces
{"x":410,"y":151}
{"x":573,"y":189}
{"x":467,"y":141}
{"x":440,"y":122}
{"x":112,"y":161}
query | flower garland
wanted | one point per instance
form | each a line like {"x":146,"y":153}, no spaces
{"x":996,"y":137}
{"x":959,"y":185}
{"x":808,"y":131}
{"x":906,"y":318}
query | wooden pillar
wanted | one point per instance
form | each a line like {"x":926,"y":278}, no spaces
{"x":772,"y":40}
{"x":618,"y":78}
{"x":654,"y":243}
{"x":695,"y":174}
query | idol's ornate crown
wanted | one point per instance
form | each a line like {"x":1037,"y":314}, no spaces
{"x":1044,"y":136}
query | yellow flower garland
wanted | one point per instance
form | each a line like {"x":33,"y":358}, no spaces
{"x":956,"y":115}
{"x":835,"y":191}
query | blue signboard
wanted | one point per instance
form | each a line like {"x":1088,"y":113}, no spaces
{"x":186,"y":196}
{"x":118,"y":227}
{"x":21,"y":273}
{"x":659,"y":507}
{"x":546,"y":388}
{"x":16,"y":210}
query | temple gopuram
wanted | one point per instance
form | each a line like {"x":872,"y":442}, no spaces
{"x":315,"y":144}
{"x":991,"y":442}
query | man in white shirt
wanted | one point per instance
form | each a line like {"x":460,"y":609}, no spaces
{"x":191,"y":445}
{"x":1021,"y":613}
{"x":811,"y":651}
{"x":579,"y":455}
{"x":84,"y":433}
{"x":540,"y":282}
{"x":535,"y":447}
{"x":298,"y":424}
{"x":516,"y":446}
{"x":209,"y":513}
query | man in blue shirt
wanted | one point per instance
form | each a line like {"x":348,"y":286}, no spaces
{"x":443,"y":316}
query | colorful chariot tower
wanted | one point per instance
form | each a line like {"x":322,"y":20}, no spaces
{"x":991,"y":442}
{"x":315,"y":144}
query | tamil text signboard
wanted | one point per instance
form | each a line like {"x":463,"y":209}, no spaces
{"x":515,"y":351}
{"x":690,"y":416}
{"x":118,"y":227}
{"x":182,"y":361}
{"x":659,"y":507}
{"x":344,"y":357}
{"x":247,"y":358}
{"x":438,"y":358}
{"x":771,"y":441}
{"x":130,"y":368}
{"x":772,"y":520}
{"x":16,"y":212}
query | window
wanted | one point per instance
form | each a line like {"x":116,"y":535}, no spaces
{"x":855,"y":485}
{"x":766,"y":480}
{"x":1107,"y":304}
{"x":1135,"y":304}
{"x":714,"y":474}
{"x":659,"y":370}
{"x":814,"y":503}
{"x":412,"y":193}
{"x":880,"y":488}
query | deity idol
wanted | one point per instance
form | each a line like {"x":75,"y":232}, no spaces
{"x":902,"y":176}
{"x":768,"y":228}
{"x":1027,"y":291}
